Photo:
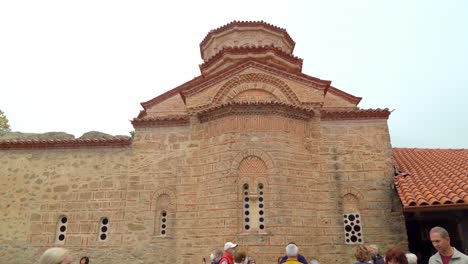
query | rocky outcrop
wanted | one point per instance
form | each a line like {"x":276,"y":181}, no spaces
{"x":32,"y":136}
{"x":95,"y":134}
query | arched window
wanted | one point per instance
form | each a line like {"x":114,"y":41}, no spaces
{"x":163,"y":215}
{"x":252,"y":173}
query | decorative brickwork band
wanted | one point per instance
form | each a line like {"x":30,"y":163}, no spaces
{"x":355,"y":114}
{"x":256,"y":108}
{"x":173,"y":120}
{"x":65,"y":143}
{"x":255,"y":78}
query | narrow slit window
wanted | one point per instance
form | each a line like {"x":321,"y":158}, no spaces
{"x":61,"y":229}
{"x":163,"y":223}
{"x":246,"y":203}
{"x":103,"y":229}
{"x":261,"y":207}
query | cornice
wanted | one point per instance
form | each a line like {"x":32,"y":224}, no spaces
{"x":248,"y":63}
{"x":256,"y":108}
{"x":355,"y":114}
{"x":252,"y":49}
{"x":172,"y":120}
{"x":65,"y":143}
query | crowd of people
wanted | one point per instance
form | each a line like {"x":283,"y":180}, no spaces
{"x":446,"y":254}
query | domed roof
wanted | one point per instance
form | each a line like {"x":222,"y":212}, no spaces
{"x":245,"y":34}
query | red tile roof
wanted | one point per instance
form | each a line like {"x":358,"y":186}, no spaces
{"x":118,"y":141}
{"x":432,"y":178}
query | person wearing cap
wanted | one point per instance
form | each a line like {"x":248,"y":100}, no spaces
{"x":292,"y":255}
{"x":229,"y":251}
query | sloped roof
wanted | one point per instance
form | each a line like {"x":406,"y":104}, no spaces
{"x":432,"y":179}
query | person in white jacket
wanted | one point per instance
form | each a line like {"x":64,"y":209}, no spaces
{"x":446,"y":254}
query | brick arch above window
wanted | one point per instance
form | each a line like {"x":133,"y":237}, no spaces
{"x":252,"y":164}
{"x":353,"y":198}
{"x":256,"y":158}
{"x":163,"y":197}
{"x":350,"y":203}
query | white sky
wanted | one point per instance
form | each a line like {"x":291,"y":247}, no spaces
{"x":77,"y":66}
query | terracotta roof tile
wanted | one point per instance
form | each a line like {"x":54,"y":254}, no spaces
{"x":431,"y":177}
{"x":119,"y":141}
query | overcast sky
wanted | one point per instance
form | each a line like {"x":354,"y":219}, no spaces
{"x":77,"y":66}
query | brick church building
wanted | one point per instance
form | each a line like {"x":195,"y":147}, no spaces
{"x":252,"y":151}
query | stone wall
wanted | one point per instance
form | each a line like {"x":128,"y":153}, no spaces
{"x":196,"y":175}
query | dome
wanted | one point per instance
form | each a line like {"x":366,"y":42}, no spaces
{"x":238,"y":34}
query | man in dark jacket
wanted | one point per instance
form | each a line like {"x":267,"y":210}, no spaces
{"x":299,"y":257}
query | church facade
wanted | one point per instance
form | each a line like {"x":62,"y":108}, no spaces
{"x":251,"y":151}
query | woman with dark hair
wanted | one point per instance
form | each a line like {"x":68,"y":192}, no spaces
{"x":84,"y":260}
{"x":395,"y":256}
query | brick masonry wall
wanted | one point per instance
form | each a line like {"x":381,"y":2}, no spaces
{"x":192,"y":172}
{"x":310,"y":167}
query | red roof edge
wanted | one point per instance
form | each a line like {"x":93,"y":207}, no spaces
{"x":351,"y":98}
{"x":437,"y":207}
{"x":65,"y":143}
{"x":169,"y":93}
